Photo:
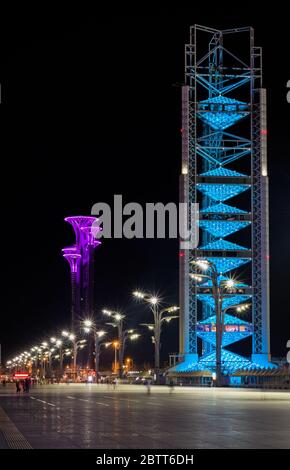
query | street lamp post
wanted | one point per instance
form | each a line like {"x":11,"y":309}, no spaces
{"x":34,"y":351}
{"x":160,"y":316}
{"x":123,"y":334}
{"x":43,"y":367}
{"x":50,"y":351}
{"x":76,"y":345}
{"x":129,"y":364}
{"x":58,"y":344}
{"x":116,"y":344}
{"x":43,"y":347}
{"x":90,"y":326}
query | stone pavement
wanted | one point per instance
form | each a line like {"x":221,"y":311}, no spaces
{"x":10,"y":436}
{"x":99,"y":417}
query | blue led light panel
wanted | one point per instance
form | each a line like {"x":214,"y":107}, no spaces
{"x":222,"y":228}
{"x":221,"y":192}
{"x":222,"y":209}
{"x":222,"y":245}
{"x":221,"y":171}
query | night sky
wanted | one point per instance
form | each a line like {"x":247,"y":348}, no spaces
{"x":90,"y":109}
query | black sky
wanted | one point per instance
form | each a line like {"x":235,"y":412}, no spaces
{"x":89,"y":110}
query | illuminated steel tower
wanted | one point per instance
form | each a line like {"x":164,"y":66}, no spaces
{"x":224,"y":169}
{"x":72,"y":255}
{"x":81,"y":259}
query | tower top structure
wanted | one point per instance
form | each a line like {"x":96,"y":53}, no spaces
{"x":81,"y":260}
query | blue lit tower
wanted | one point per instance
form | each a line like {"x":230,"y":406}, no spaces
{"x":224,"y":169}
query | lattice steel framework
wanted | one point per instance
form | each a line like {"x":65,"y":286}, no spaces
{"x":224,"y":123}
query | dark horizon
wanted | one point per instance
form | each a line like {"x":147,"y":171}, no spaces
{"x":90,"y":108}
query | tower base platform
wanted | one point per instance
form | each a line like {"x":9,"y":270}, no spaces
{"x":231,"y":363}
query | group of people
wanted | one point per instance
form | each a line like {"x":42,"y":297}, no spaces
{"x":22,"y":385}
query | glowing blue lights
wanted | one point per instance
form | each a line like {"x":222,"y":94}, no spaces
{"x":221,"y":112}
{"x":238,"y":284}
{"x":222,"y":245}
{"x":220,"y":103}
{"x":231,"y":363}
{"x":228,"y":320}
{"x":234,"y":330}
{"x":222,"y":209}
{"x":223,"y":172}
{"x":224,"y":265}
{"x":222,"y":228}
{"x":222,"y":192}
{"x":219,"y":131}
{"x":228,"y":337}
{"x":218,"y":155}
{"x":228,"y":301}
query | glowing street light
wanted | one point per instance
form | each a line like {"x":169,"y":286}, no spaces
{"x":138,"y":294}
{"x":153,"y":300}
{"x":243,"y":308}
{"x":107,"y":312}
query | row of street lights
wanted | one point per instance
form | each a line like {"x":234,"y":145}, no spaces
{"x":41,"y":356}
{"x":123,"y":334}
{"x":205,"y":271}
{"x":54,"y":348}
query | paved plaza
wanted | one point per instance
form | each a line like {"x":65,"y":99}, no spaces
{"x":97,"y":416}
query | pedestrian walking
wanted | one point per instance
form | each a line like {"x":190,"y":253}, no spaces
{"x":27,"y":385}
{"x":171,"y":386}
{"x":18,"y":389}
{"x":148,"y":386}
{"x":115,"y":383}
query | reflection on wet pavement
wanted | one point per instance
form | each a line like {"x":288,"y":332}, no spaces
{"x":98,"y":417}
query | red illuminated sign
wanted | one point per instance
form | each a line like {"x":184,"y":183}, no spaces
{"x":22,"y":375}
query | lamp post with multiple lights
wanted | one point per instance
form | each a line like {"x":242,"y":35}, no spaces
{"x":90,"y":326}
{"x":35,"y":351}
{"x":123,"y":335}
{"x":160,"y":316}
{"x":44,"y":357}
{"x":76,"y":343}
{"x":58,"y":344}
{"x":218,"y":291}
{"x":115,"y":345}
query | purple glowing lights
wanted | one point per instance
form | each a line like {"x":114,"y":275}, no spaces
{"x":78,"y":222}
{"x":86,"y":229}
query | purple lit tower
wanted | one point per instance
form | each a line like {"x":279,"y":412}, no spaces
{"x":72,"y":255}
{"x":81,"y":261}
